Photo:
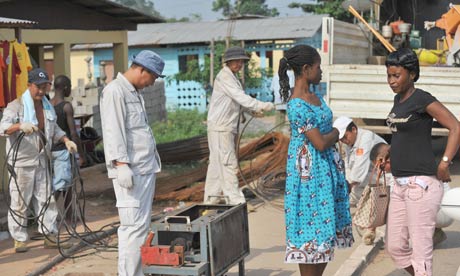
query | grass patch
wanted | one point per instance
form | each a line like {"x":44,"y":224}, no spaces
{"x":181,"y":124}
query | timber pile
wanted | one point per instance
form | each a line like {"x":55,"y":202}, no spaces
{"x":259,"y":159}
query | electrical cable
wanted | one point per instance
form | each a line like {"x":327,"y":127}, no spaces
{"x":74,"y":228}
{"x":14,"y":151}
{"x":259,"y":188}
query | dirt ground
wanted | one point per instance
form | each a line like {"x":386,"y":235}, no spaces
{"x":100,"y":211}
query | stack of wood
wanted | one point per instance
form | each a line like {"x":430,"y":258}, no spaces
{"x":258,"y":158}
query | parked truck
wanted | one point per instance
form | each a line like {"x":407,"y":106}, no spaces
{"x":360,"y":90}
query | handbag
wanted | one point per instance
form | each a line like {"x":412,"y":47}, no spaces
{"x":372,"y":207}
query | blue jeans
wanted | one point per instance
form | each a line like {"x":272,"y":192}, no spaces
{"x":62,"y":170}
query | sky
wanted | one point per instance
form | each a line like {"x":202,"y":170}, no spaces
{"x":184,"y":8}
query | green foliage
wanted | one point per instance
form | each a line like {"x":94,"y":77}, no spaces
{"x":243,"y":7}
{"x":198,"y":73}
{"x":227,"y":8}
{"x":181,"y":124}
{"x":253,"y":76}
{"x":144,"y":6}
{"x":331,"y":7}
{"x":194,"y":17}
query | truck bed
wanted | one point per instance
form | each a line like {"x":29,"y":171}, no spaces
{"x":361,"y":90}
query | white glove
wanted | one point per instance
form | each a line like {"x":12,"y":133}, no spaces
{"x":28,"y":128}
{"x":125,"y":176}
{"x":429,"y":24}
{"x":267,"y":106}
{"x":71,"y":146}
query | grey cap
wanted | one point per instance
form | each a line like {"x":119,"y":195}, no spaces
{"x":38,"y":76}
{"x":150,"y":61}
{"x":234,"y":53}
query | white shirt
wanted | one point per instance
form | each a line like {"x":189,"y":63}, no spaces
{"x":226,"y":99}
{"x":30,"y":150}
{"x":357,"y":163}
{"x":126,"y":130}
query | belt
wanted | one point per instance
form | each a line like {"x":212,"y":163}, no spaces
{"x":402,"y":181}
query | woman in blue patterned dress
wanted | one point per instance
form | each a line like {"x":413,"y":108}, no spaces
{"x":317,"y":212}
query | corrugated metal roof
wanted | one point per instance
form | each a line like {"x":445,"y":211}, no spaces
{"x":12,"y":22}
{"x":198,"y":32}
{"x":247,"y":29}
{"x":116,"y":9}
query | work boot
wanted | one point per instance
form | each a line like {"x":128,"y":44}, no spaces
{"x":369,"y":237}
{"x":438,"y":236}
{"x":20,"y":247}
{"x":50,"y":243}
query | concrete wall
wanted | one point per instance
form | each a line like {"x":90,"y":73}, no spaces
{"x":78,"y":65}
{"x":86,"y":101}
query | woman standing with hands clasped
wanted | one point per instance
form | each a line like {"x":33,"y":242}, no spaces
{"x":317,"y":213}
{"x":418,"y":188}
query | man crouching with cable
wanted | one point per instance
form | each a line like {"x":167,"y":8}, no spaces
{"x":29,"y":123}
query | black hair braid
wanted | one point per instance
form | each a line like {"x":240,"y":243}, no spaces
{"x":295,"y":59}
{"x":284,"y":79}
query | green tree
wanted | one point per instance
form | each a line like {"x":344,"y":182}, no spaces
{"x":145,"y":6}
{"x":253,"y":76}
{"x":332,"y":7}
{"x":194,"y":17}
{"x":243,"y":7}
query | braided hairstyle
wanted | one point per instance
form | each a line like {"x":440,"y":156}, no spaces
{"x":405,"y":58}
{"x":294,"y":58}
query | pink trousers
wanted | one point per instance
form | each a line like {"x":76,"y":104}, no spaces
{"x":412,"y":214}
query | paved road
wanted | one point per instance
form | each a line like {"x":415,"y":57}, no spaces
{"x":446,"y":255}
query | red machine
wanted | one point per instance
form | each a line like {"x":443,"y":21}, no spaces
{"x":161,"y":254}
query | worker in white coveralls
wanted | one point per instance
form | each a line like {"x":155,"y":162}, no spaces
{"x":227,"y":99}
{"x":131,"y":156}
{"x":29,"y":123}
{"x":358,"y":166}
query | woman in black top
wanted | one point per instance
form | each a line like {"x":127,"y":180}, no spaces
{"x":418,"y":189}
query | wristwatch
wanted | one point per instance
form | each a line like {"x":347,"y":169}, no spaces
{"x":446,"y":159}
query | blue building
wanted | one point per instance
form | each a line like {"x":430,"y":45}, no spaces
{"x":177,"y":43}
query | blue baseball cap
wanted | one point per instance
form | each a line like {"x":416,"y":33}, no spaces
{"x":150,"y":61}
{"x":38,"y":76}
